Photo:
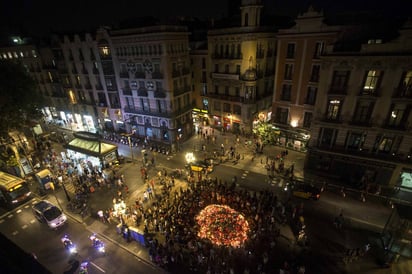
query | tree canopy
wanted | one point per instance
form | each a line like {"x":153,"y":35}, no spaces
{"x":20,"y":101}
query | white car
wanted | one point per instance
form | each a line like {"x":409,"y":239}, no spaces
{"x":46,"y":212}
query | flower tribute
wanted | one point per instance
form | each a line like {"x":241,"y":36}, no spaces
{"x":222,"y":225}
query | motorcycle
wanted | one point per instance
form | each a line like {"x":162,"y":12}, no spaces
{"x":68,"y":244}
{"x":97,"y":243}
{"x":83,"y":267}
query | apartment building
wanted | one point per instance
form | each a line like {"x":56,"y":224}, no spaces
{"x":153,"y":71}
{"x":240,"y":72}
{"x":298,"y":64}
{"x":361,"y":128}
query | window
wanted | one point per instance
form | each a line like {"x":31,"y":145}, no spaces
{"x":226,"y":107}
{"x":129,"y":102}
{"x":226,"y":90}
{"x":237,"y":69}
{"x":311,"y":95}
{"x":327,"y":136}
{"x":397,"y":115}
{"x":282,"y":115}
{"x":226,"y":68}
{"x":216,"y":89}
{"x":405,"y":86}
{"x":203,"y":63}
{"x":216,"y":106}
{"x":333,"y":111}
{"x":286,"y":91}
{"x":307,"y":119}
{"x":246,"y":20}
{"x":290,"y":52}
{"x":145,"y":104}
{"x":105,"y":51}
{"x":318,"y":50}
{"x":159,"y":85}
{"x":237,"y":109}
{"x":216,"y":68}
{"x":340,"y":81}
{"x":363,"y":112}
{"x":383,"y":144}
{"x":288,"y":71}
{"x":133,"y":84}
{"x":237,"y":91}
{"x":314,"y":75}
{"x":372,"y":81}
{"x":355,"y":140}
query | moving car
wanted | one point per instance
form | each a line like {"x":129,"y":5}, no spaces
{"x":201,"y":166}
{"x":46,"y":212}
{"x":306,"y":191}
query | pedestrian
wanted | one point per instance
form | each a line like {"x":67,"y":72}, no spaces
{"x":126,"y":189}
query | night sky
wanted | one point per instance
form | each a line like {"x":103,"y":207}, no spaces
{"x":42,"y":16}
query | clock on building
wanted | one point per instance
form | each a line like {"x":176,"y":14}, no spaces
{"x":148,"y":66}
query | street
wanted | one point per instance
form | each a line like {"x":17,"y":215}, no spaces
{"x":323,"y":254}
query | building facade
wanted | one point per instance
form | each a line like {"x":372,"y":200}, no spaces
{"x":361,"y":129}
{"x":298,"y":64}
{"x":240,"y":70}
{"x":155,"y":82}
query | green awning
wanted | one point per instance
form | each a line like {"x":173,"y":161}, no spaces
{"x":89,"y":147}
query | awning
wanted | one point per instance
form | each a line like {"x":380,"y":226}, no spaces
{"x":90,"y":147}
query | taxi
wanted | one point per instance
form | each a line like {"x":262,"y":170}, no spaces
{"x":306,"y":191}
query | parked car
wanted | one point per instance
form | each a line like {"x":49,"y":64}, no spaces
{"x":46,"y":212}
{"x":306,"y":191}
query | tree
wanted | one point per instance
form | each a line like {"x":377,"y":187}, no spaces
{"x":266,"y":132}
{"x":19,"y":98}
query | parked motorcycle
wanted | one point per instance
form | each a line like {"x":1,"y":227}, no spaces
{"x":97,"y":243}
{"x":68,"y":244}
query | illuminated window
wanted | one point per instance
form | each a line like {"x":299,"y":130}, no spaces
{"x":372,"y":80}
{"x":333,"y":112}
{"x":72,"y":97}
{"x":4,"y":55}
{"x":15,"y":55}
{"x":405,"y":85}
{"x":290,"y":53}
{"x":21,"y":54}
{"x":9,"y":55}
{"x":396,"y":115}
{"x":105,"y":51}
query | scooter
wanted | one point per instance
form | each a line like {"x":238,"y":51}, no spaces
{"x":68,"y":244}
{"x":83,"y":267}
{"x":97,"y":243}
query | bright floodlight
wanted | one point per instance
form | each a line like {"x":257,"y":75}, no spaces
{"x":190,"y":157}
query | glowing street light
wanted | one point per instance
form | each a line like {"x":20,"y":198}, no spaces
{"x":190,"y":157}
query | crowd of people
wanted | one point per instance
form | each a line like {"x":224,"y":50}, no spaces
{"x":171,"y":231}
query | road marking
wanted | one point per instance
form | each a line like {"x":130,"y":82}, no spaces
{"x":15,"y":233}
{"x":32,"y":221}
{"x":24,"y":227}
{"x":10,"y":216}
{"x":26,"y":206}
{"x":18,"y":211}
{"x":98,"y":267}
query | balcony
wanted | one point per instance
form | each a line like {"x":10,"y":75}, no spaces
{"x":159,"y":94}
{"x":401,"y":126}
{"x":142,"y":92}
{"x":403,"y":92}
{"x":157,"y":75}
{"x":158,"y":113}
{"x":335,"y":120}
{"x":140,"y":75}
{"x":127,"y":91}
{"x":233,"y":56}
{"x":230,"y":98}
{"x":225,"y":76}
{"x":124,"y":74}
{"x":369,"y":92}
{"x":338,"y":90}
{"x":181,"y":90}
{"x":361,"y":122}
